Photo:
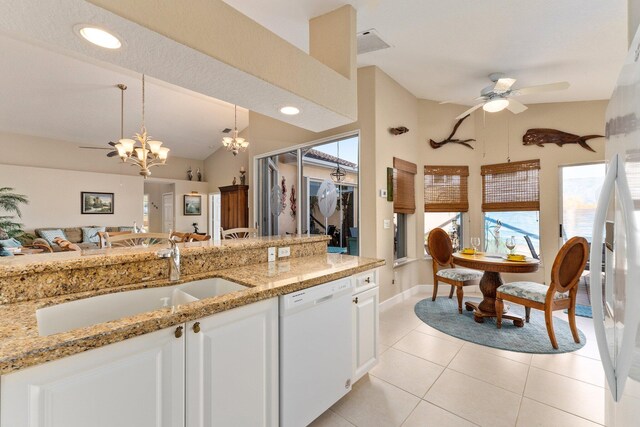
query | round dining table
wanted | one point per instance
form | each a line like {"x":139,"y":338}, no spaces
{"x":493,"y":265}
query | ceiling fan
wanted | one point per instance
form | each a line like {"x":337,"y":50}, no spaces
{"x":113,"y":152}
{"x":499,"y":95}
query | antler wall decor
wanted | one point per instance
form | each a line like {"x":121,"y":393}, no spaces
{"x":449,"y":139}
{"x":540,"y":136}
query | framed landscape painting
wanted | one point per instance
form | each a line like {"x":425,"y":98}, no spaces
{"x":96,"y":203}
{"x":192,"y":204}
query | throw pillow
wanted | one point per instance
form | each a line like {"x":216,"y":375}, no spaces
{"x":49,"y":235}
{"x":126,"y":229}
{"x":90,"y":234}
{"x":10,"y":243}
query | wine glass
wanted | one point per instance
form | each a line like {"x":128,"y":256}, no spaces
{"x":510,"y":243}
{"x":475,"y":242}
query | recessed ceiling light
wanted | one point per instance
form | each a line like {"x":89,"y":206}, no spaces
{"x":99,"y":37}
{"x":289,"y":110}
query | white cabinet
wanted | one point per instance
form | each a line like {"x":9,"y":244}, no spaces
{"x":232,"y":367}
{"x":134,"y":383}
{"x":365,"y":324}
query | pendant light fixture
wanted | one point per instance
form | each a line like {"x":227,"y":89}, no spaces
{"x":338,"y":175}
{"x":148,"y":154}
{"x":234,"y":143}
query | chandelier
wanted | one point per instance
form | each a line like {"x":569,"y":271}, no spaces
{"x":148,"y":154}
{"x":234,"y":143}
{"x":338,"y":175}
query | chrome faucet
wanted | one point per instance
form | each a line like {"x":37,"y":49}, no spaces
{"x":173,"y":255}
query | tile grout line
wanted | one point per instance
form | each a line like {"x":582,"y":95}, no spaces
{"x":526,"y":380}
{"x":563,"y":410}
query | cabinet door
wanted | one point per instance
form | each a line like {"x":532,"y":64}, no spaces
{"x":232,"y":367}
{"x":135,"y":383}
{"x":365,"y":332}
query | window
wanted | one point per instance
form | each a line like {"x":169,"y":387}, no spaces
{"x":404,"y":195}
{"x":511,"y":204}
{"x":145,"y":211}
{"x":499,"y":226}
{"x":288,"y":199}
{"x":451,"y":222}
{"x":579,"y":194}
{"x":399,"y":236}
{"x":446,"y":197}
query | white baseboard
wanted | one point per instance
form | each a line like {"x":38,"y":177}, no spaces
{"x":405,"y":295}
{"x":443,"y":289}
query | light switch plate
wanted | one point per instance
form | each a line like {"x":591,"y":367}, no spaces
{"x":271,"y":254}
{"x":383,"y":193}
{"x":387,"y":223}
{"x":283,"y":252}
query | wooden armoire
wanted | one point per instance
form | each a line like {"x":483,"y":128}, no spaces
{"x":234,"y":209}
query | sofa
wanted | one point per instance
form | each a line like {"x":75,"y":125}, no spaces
{"x":73,"y":235}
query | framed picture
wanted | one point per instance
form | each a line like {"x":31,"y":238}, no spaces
{"x":390,"y":184}
{"x":96,"y":203}
{"x":192,"y":204}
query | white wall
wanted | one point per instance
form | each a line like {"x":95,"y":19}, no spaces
{"x":27,"y":150}
{"x":155,"y":190}
{"x":54,"y":196}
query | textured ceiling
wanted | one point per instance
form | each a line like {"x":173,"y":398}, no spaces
{"x":444,"y":50}
{"x":50,"y":24}
{"x":60,"y":97}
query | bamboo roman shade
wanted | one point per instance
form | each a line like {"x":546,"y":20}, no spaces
{"x":404,"y":193}
{"x":445,"y":189}
{"x":511,"y":186}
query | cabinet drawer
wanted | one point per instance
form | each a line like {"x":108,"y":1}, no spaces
{"x":364,"y":281}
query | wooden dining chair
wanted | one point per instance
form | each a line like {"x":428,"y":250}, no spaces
{"x":239,"y":233}
{"x":180,"y":237}
{"x":559,"y":295}
{"x":193,"y":237}
{"x":135,"y":239}
{"x":441,"y":250}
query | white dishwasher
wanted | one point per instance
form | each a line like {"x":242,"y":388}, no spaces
{"x":315,"y":351}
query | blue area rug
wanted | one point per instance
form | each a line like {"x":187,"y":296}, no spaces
{"x":442,"y":314}
{"x":583,"y":311}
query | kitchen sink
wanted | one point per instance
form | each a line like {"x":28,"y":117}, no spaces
{"x":103,"y":308}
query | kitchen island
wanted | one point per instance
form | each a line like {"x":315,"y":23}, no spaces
{"x":23,"y":349}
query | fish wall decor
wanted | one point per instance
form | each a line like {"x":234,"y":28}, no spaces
{"x":399,"y":130}
{"x":540,"y":136}
{"x":450,"y":139}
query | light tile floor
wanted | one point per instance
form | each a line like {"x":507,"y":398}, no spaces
{"x":427,"y":378}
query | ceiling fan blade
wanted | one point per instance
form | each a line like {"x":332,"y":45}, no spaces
{"x":112,"y":154}
{"x":113,"y":144}
{"x":516,"y":106}
{"x":470,"y":110}
{"x":503,"y":85}
{"x":541,"y":88}
{"x":96,"y":148}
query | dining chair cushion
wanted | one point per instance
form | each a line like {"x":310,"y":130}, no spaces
{"x":530,"y":290}
{"x":459,"y":274}
{"x":10,"y":243}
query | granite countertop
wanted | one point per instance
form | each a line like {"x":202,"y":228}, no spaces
{"x":58,"y":261}
{"x":21,"y":346}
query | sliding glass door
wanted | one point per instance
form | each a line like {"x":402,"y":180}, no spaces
{"x":313,"y":189}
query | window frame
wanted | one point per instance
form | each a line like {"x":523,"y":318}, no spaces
{"x":400,"y":217}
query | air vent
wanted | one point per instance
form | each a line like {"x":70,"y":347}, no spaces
{"x":370,"y":41}
{"x":226,"y":130}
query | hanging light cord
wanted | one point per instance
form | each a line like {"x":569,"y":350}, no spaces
{"x":122,"y":111}
{"x":143,"y":127}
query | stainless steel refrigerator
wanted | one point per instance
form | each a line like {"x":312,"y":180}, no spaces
{"x":615,"y":293}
